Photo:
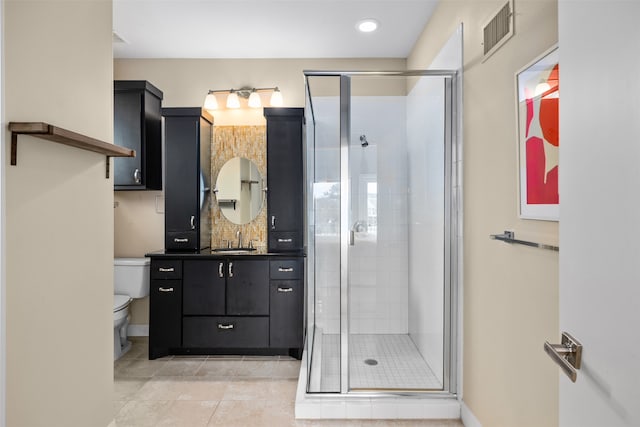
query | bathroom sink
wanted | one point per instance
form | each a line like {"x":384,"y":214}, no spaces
{"x":233,"y":250}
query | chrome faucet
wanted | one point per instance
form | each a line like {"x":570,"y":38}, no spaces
{"x":239,"y":236}
{"x":358,"y":227}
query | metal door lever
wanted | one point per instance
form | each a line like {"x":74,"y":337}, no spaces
{"x":567,"y":354}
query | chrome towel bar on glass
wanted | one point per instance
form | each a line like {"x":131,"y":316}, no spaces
{"x":510,"y":237}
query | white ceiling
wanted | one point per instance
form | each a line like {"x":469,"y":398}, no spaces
{"x":267,"y":28}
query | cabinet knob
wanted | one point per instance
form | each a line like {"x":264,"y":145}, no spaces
{"x":285,"y":240}
{"x":220,"y":271}
{"x":192,"y":221}
{"x":165,"y":289}
{"x":230,"y":269}
{"x":285,"y":289}
{"x":226,"y":327}
{"x":136,"y":176}
{"x":166,"y":270}
{"x":273,"y":222}
{"x":285,"y":269}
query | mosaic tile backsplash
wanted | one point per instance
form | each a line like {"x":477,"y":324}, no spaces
{"x":239,"y":141}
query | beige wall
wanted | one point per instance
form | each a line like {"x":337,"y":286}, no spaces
{"x":139,"y":226}
{"x":510,"y":292}
{"x":59,"y":216}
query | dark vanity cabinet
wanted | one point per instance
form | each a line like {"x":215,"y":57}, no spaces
{"x":286,"y":302}
{"x":188,"y":133}
{"x":137,"y":125}
{"x":285,"y":179}
{"x":236,"y":311}
{"x":165,"y":307}
{"x":220,"y":305}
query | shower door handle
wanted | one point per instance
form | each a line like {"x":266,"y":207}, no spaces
{"x":352,"y":237}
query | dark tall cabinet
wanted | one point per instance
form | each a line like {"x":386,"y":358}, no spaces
{"x":285,"y":179}
{"x":137,"y":125}
{"x":188,"y":176}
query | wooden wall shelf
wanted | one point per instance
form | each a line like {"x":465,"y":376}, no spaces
{"x":66,"y":137}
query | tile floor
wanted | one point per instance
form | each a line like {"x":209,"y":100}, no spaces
{"x":229,"y":391}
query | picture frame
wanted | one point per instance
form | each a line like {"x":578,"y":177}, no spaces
{"x":537,"y":108}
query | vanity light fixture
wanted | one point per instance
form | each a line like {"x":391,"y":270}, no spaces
{"x":233,"y":99}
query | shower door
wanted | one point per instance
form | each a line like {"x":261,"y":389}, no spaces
{"x":382,"y":232}
{"x":398,"y":233}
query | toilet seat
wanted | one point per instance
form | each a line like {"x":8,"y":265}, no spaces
{"x":120,"y":302}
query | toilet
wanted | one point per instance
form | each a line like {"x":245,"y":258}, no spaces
{"x":130,"y":281}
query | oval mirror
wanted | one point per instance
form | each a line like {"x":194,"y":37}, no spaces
{"x":239,"y":190}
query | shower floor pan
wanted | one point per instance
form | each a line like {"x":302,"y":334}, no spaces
{"x":376,"y":363}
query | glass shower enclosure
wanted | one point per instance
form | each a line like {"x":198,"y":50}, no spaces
{"x":381,"y":190}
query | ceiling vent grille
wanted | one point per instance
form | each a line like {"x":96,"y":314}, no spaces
{"x":498,"y":30}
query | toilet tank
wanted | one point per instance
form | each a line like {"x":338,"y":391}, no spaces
{"x":131,"y":276}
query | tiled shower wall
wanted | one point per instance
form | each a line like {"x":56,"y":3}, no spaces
{"x":378,"y":260}
{"x":239,"y":141}
{"x":378,"y":301}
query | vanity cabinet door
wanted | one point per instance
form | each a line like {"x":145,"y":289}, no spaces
{"x":284,"y":179}
{"x":286,"y":323}
{"x":137,"y":125}
{"x":165,"y":317}
{"x":203,"y":287}
{"x":247,"y":287}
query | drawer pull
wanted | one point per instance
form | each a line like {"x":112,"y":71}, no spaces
{"x":182,"y":240}
{"x":166,"y":270}
{"x":225,"y":327}
{"x":165,"y":289}
{"x":285,"y":270}
{"x":220,"y":271}
{"x":285,"y":289}
{"x":285,"y":240}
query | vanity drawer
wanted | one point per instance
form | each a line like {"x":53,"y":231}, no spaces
{"x":181,"y":240}
{"x":166,"y":269}
{"x":225,"y":332}
{"x":285,"y":241}
{"x":286,"y":269}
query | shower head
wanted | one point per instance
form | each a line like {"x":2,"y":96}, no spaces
{"x":363,"y":140}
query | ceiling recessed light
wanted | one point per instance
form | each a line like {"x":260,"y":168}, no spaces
{"x":367,"y":25}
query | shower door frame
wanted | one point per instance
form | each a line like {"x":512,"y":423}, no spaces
{"x":452,"y":222}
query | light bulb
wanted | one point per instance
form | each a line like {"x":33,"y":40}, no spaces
{"x":233,"y":101}
{"x":254,"y":100}
{"x":367,"y":25}
{"x":276,"y":98}
{"x":210,"y":102}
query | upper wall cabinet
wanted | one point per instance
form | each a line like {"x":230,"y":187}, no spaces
{"x":285,"y":180}
{"x":137,"y":123}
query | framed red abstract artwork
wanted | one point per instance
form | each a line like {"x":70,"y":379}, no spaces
{"x":538,"y":92}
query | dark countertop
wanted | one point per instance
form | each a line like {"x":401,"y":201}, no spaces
{"x":207,"y":253}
